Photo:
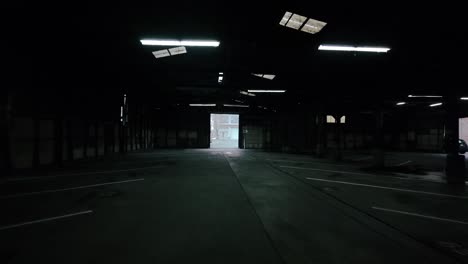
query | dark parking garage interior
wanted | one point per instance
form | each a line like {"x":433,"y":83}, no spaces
{"x":233,"y":132}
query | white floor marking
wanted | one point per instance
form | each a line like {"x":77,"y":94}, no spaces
{"x":403,"y":163}
{"x":334,"y":171}
{"x":67,"y":189}
{"x":420,"y":215}
{"x":78,"y":174}
{"x":312,"y":162}
{"x":389,"y":188}
{"x":44,"y":220}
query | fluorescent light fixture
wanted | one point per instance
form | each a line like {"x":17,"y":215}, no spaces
{"x":436,"y":104}
{"x":220,"y":79}
{"x":401,"y":103}
{"x":464,"y":98}
{"x":238,"y":101}
{"x":246,"y":93}
{"x":313,"y":26}
{"x":221,"y":73}
{"x":177,"y":50}
{"x":190,"y":43}
{"x":235,"y":105}
{"x":202,"y":104}
{"x":424,"y":96}
{"x":350,"y":48}
{"x":161,"y":53}
{"x":266,"y":91}
{"x":330,"y":119}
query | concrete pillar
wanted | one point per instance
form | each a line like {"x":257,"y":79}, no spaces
{"x":378,"y":149}
{"x":455,"y":163}
{"x":58,"y":141}
{"x":5,"y":121}
{"x":69,"y":140}
{"x":321,"y":135}
{"x":36,"y":138}
{"x":338,"y":133}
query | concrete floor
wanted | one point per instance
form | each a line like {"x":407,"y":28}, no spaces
{"x":230,"y":206}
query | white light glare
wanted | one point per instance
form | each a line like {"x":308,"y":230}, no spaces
{"x":424,"y":96}
{"x":464,"y":98}
{"x":401,"y":103}
{"x":202,"y":104}
{"x":350,"y":48}
{"x":220,"y":79}
{"x":266,"y":91}
{"x":190,"y":43}
{"x":436,"y":104}
{"x":235,"y":105}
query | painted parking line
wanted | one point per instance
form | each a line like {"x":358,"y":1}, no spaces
{"x":78,"y":174}
{"x":311,"y":162}
{"x":333,"y":171}
{"x":44,"y":220}
{"x":67,"y":189}
{"x":388,"y":188}
{"x":403,"y":163}
{"x":420,"y":215}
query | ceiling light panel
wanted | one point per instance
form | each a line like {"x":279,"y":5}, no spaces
{"x":177,"y":50}
{"x":296,"y":21}
{"x":246,"y":93}
{"x":350,"y":48}
{"x":313,"y":26}
{"x":269,"y":76}
{"x":266,"y":91}
{"x":285,"y":18}
{"x":161,"y":53}
{"x":235,"y":105}
{"x":192,"y":43}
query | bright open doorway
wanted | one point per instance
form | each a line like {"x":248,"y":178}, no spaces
{"x":224,"y":131}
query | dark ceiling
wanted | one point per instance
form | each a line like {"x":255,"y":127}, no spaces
{"x":85,"y":46}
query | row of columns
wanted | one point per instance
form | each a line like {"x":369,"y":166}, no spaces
{"x":455,"y":163}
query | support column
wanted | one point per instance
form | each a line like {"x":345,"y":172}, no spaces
{"x":321,"y":135}
{"x":378,"y":150}
{"x":455,"y":163}
{"x":338,"y":155}
{"x":5,"y":121}
{"x":59,"y":141}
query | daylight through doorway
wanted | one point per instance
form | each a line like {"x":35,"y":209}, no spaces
{"x":224,"y":131}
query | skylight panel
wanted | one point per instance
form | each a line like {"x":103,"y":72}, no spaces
{"x":161,"y":53}
{"x":313,"y":26}
{"x":285,"y":18}
{"x":177,"y":50}
{"x":266,"y":76}
{"x":296,"y":21}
